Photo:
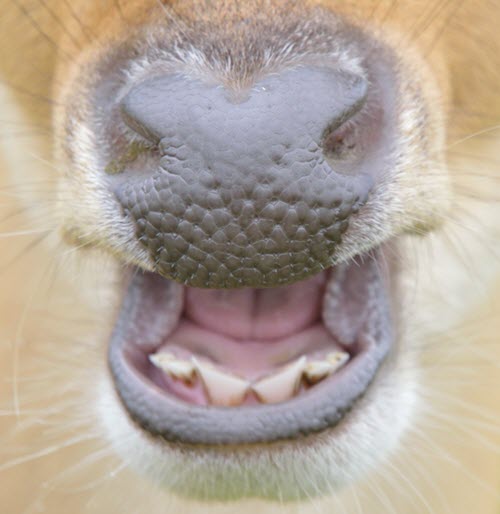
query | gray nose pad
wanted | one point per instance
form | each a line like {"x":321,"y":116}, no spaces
{"x":243,"y":195}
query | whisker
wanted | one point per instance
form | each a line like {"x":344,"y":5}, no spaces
{"x":18,"y":233}
{"x":44,"y":452}
{"x":59,"y":22}
{"x":26,"y":92}
{"x":119,"y":9}
{"x":39,"y":29}
{"x":86,"y":30}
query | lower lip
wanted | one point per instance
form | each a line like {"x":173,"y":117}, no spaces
{"x":319,"y":408}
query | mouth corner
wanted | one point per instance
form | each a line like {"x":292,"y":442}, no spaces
{"x":243,"y":366}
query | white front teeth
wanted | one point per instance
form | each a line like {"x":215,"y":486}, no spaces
{"x":180,"y":369}
{"x":282,"y":384}
{"x":222,"y":388}
{"x":227,"y":389}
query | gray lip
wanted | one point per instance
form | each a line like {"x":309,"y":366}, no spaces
{"x":320,"y":408}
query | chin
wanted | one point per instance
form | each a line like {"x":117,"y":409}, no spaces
{"x":259,"y":392}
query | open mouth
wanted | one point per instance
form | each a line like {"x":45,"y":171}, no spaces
{"x":236,"y":366}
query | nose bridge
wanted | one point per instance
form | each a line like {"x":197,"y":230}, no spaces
{"x":243,"y":195}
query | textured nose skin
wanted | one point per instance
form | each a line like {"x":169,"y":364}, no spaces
{"x":243,"y":195}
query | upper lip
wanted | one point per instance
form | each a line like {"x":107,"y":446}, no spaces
{"x":319,"y":408}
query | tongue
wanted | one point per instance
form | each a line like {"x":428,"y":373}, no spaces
{"x":257,"y":314}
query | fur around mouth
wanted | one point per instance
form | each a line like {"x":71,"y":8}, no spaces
{"x":251,"y":365}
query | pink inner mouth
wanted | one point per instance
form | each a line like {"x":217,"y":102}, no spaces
{"x":251,"y":315}
{"x":248,"y":334}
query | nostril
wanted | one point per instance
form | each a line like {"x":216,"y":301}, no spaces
{"x":355,"y":89}
{"x":360,"y":140}
{"x":131,"y":118}
{"x":340,"y":142}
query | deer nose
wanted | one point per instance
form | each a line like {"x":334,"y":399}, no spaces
{"x":244,"y":194}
